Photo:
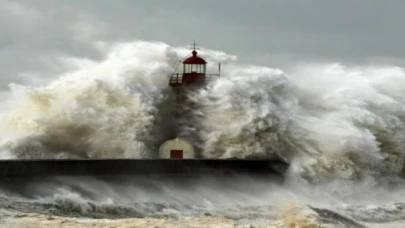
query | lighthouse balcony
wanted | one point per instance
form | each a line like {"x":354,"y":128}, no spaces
{"x":191,"y":79}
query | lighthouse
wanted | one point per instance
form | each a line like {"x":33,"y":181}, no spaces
{"x":185,"y":85}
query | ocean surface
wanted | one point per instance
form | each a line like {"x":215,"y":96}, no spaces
{"x":341,"y":128}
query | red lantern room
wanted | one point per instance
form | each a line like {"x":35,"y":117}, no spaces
{"x":194,"y":71}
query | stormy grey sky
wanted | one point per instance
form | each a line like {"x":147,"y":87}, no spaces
{"x":35,"y":34}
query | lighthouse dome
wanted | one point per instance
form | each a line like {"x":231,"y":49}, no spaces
{"x":194,"y":59}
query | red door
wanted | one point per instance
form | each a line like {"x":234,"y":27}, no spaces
{"x":176,"y":153}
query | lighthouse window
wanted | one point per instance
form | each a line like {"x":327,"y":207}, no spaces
{"x":187,"y":68}
{"x":198,"y":68}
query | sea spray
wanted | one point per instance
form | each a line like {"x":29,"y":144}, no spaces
{"x":329,"y":121}
{"x":245,"y":113}
{"x":106,"y":110}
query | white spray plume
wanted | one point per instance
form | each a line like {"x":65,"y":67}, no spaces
{"x":104,"y":110}
{"x":328,"y":120}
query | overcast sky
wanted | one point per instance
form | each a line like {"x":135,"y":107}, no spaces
{"x":36,"y":33}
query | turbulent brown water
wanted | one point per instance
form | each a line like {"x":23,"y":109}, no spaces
{"x":340,"y":127}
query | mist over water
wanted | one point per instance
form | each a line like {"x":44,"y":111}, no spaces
{"x":340,"y":127}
